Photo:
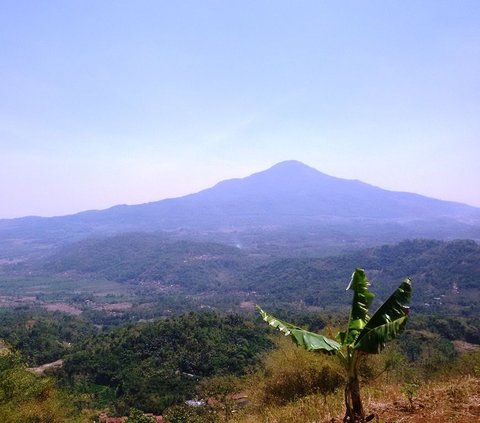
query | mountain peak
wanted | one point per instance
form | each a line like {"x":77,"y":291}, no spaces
{"x":291,"y":166}
{"x":289,"y":171}
{"x":286,"y":175}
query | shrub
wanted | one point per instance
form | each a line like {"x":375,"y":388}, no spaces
{"x":290,"y":373}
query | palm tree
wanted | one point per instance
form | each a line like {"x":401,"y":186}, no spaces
{"x":364,"y":335}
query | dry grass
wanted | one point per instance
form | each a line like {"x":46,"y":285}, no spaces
{"x":451,"y":397}
{"x":453,"y":400}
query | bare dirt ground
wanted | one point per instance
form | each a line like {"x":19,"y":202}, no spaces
{"x":44,"y":367}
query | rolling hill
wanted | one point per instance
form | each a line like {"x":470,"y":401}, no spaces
{"x":446,"y":274}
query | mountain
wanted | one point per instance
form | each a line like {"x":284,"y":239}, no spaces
{"x":290,"y":197}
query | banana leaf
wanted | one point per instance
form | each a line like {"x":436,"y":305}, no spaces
{"x":362,"y":299}
{"x":301,"y":337}
{"x":387,"y":322}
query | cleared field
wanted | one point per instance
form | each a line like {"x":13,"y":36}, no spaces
{"x":17,"y":290}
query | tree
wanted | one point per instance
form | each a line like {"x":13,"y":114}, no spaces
{"x":364,"y":335}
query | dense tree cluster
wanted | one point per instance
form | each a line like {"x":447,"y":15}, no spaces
{"x":153,"y":365}
{"x":42,"y":337}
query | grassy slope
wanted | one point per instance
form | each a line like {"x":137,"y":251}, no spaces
{"x":456,"y":399}
{"x":448,"y":394}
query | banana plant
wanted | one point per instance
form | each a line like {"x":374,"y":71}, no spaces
{"x":365,"y":334}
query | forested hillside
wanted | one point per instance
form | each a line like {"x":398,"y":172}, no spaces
{"x":154,"y":365}
{"x":446,"y":274}
{"x":150,"y":258}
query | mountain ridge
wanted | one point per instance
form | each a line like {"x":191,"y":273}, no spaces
{"x":289,"y":196}
{"x":293,"y":167}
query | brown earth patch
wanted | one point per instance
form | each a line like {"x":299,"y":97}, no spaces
{"x":114,"y":307}
{"x":40,"y":370}
{"x":64,"y":308}
{"x":462,"y":346}
{"x":247,"y":305}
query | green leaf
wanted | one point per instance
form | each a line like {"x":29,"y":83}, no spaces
{"x":303,"y":338}
{"x":387,"y":322}
{"x":374,"y":340}
{"x":362,"y":299}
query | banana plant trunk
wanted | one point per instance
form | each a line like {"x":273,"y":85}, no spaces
{"x":353,"y":402}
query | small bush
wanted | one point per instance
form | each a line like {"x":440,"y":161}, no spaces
{"x":137,"y":416}
{"x":292,"y":373}
{"x":290,"y":384}
{"x":410,"y":389}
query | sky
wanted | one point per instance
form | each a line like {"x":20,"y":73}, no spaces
{"x":126,"y":102}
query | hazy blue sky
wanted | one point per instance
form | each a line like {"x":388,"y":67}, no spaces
{"x":109,"y":102}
